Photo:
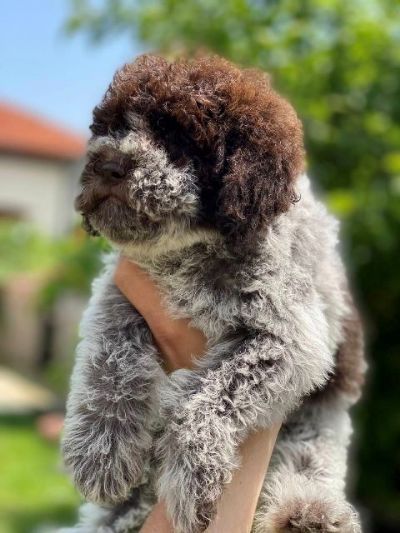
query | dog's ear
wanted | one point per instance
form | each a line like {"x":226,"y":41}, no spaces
{"x":264,"y":156}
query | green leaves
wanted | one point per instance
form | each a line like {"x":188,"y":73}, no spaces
{"x":68,"y":263}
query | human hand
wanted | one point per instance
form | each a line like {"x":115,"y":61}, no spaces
{"x":178,"y":341}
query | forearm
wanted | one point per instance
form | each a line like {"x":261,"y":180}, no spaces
{"x":236,"y":508}
{"x":213,"y":412}
{"x":178,"y":342}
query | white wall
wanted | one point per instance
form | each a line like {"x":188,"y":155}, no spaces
{"x":39,"y":191}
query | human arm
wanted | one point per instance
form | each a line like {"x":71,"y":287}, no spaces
{"x":211,"y":411}
{"x":179,"y":342}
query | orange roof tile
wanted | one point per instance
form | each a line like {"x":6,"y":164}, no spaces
{"x":23,"y":133}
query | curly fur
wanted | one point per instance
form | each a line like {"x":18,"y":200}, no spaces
{"x":208,"y":163}
{"x":228,"y":124}
{"x":112,"y":392}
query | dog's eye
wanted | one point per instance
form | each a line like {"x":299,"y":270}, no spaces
{"x":161,"y":123}
{"x":98,"y":128}
{"x":96,"y":166}
{"x":117,"y":131}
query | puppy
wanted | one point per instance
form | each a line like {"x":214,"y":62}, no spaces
{"x":195,"y":170}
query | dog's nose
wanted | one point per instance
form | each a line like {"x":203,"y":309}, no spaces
{"x":111,"y":169}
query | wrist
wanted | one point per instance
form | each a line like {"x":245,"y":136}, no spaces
{"x":177,"y":341}
{"x":174,"y":347}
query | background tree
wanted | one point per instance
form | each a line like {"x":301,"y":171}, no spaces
{"x":338,"y":62}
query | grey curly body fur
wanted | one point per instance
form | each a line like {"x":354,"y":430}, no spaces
{"x":274,"y":322}
{"x":193,"y":172}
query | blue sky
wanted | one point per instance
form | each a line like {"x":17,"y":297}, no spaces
{"x":57,"y":76}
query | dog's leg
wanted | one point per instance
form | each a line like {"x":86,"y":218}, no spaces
{"x":304,"y":487}
{"x":127,"y":517}
{"x":92,"y":519}
{"x":214,"y":410}
{"x":110,"y":410}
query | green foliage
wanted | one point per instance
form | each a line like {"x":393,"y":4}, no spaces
{"x":22,"y":249}
{"x":56,"y":375}
{"x":68,"y":263}
{"x":65,"y":264}
{"x":78,"y":262}
{"x":338,"y":62}
{"x":33,"y":489}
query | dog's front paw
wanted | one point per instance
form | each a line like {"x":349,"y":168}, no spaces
{"x":196,"y":459}
{"x":101,"y":480}
{"x":104,"y":470}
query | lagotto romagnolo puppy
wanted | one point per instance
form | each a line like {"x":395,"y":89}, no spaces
{"x":195,"y":171}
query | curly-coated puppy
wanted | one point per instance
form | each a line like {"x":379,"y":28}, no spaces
{"x":195,"y":171}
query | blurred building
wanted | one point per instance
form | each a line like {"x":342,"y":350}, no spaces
{"x":40,"y":165}
{"x":39,"y":168}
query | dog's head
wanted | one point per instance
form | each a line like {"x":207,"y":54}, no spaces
{"x":187,"y":145}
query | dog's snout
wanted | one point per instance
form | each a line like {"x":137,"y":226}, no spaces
{"x":110,"y":169}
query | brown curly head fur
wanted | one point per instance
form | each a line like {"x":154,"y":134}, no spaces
{"x":243,"y":140}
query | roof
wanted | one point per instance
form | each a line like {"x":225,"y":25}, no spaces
{"x":24,"y":133}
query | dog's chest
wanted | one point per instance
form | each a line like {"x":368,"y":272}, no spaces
{"x":202,"y":286}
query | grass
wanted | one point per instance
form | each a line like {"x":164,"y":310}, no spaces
{"x":34,"y":492}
